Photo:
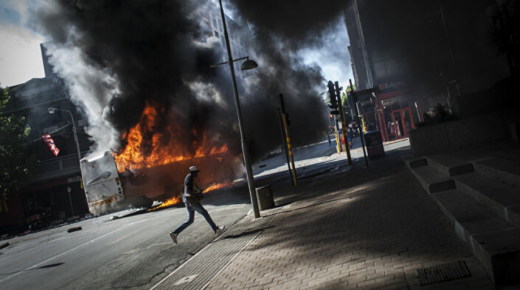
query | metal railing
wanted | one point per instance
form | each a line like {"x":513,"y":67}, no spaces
{"x":59,"y":167}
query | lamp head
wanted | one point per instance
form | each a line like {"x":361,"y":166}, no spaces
{"x":52,"y":110}
{"x":249,"y":64}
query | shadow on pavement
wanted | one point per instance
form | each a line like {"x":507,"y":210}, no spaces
{"x":247,"y":233}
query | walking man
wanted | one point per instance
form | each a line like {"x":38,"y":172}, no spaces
{"x":192,"y":196}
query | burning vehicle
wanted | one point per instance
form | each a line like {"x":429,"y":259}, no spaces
{"x":143,"y":76}
{"x":135,"y":177}
{"x":108,"y":190}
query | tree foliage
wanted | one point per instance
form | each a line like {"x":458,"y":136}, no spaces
{"x":344,"y":96}
{"x":505,"y":33}
{"x":437,"y":114}
{"x":16,"y":160}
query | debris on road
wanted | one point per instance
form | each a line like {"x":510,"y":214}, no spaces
{"x":74,"y":229}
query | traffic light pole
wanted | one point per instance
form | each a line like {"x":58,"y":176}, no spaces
{"x":289,"y":148}
{"x":280,"y":118}
{"x":361,"y":135}
{"x":343,"y":123}
{"x":334,"y":105}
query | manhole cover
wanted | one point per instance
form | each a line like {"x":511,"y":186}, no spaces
{"x":444,"y":272}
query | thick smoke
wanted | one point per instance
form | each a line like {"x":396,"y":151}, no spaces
{"x":284,"y":30}
{"x":293,"y":24}
{"x":120,"y":56}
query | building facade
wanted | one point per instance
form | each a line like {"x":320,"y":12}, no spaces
{"x":419,"y":54}
{"x":55,"y":192}
{"x":213,"y":26}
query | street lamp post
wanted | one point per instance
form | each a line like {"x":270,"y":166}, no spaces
{"x":52,"y":110}
{"x":249,"y":64}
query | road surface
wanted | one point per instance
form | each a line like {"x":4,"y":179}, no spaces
{"x":135,"y":251}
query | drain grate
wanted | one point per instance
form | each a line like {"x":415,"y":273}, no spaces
{"x":444,"y":272}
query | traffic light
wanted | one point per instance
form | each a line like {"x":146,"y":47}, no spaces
{"x":332,"y":96}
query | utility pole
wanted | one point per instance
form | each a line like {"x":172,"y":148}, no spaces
{"x":286,"y":124}
{"x":245,"y":146}
{"x":343,"y":123}
{"x":280,"y":118}
{"x":354,"y":95}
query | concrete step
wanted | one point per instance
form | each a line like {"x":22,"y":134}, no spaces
{"x":432,"y":180}
{"x":416,"y":162}
{"x":500,"y":255}
{"x":501,"y":198}
{"x":503,"y":170}
{"x":449,"y":165}
{"x":468,"y":215}
{"x":494,"y":241}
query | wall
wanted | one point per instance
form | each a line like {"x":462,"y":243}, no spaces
{"x":493,"y":127}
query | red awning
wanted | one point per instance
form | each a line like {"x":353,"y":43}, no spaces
{"x":389,"y":95}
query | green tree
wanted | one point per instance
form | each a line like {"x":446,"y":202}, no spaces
{"x":344,"y":96}
{"x":16,"y":159}
{"x":346,"y":104}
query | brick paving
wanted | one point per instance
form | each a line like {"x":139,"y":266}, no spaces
{"x":367,"y":228}
{"x":201,"y":268}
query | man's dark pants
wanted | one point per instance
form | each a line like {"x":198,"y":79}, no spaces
{"x":191,"y":217}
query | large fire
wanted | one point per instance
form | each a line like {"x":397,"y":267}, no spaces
{"x":132,"y":156}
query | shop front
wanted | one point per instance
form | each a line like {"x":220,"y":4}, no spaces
{"x":397,"y":113}
{"x":53,"y":201}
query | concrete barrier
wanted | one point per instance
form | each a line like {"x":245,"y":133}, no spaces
{"x":264,"y":195}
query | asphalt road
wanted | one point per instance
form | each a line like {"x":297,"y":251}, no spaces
{"x":135,"y":251}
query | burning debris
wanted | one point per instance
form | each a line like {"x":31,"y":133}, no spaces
{"x":177,"y":200}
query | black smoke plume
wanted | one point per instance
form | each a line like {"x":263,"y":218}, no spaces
{"x":120,"y":56}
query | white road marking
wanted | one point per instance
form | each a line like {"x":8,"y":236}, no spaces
{"x":160,"y":244}
{"x":71,"y":250}
{"x":186,"y":280}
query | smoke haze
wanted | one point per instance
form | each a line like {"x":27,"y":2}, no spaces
{"x":118,"y":57}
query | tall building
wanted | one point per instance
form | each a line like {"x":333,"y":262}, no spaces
{"x":55,"y":191}
{"x":212,"y":23}
{"x":419,"y":54}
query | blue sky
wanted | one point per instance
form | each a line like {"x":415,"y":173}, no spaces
{"x":20,"y":56}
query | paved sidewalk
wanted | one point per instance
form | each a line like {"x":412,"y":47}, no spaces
{"x":366,"y":228}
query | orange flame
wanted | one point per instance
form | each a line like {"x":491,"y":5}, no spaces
{"x":132,"y":156}
{"x":215,"y":186}
{"x":177,"y":200}
{"x":169,"y":202}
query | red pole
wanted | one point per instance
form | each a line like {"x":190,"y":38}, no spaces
{"x":380,"y":126}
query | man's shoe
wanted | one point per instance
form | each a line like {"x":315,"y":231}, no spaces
{"x":220,"y":229}
{"x":174,"y":237}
